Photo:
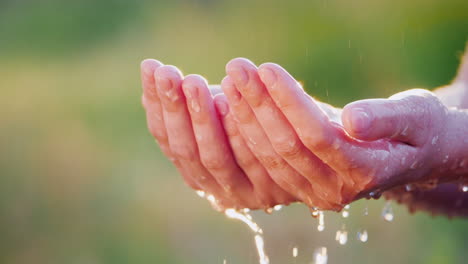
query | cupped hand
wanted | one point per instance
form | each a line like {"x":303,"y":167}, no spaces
{"x":182,"y":118}
{"x":382,"y":143}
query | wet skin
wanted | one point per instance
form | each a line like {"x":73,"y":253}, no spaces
{"x":264,"y":141}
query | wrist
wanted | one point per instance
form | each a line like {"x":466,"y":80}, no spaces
{"x":450,"y":154}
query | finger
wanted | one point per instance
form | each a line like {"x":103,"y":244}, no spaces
{"x":265,"y":188}
{"x":213,"y":147}
{"x":152,"y":104}
{"x":404,"y":117}
{"x":282,"y":136}
{"x":179,"y":129}
{"x":154,"y":116}
{"x":258,"y":143}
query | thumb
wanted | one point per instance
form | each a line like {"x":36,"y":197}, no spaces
{"x":406,"y":116}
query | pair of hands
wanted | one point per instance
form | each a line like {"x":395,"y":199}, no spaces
{"x":263,"y":141}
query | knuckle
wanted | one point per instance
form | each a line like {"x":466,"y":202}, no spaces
{"x":288,"y":148}
{"x":213,"y":162}
{"x":184,"y":153}
{"x":272,"y":162}
{"x":246,"y":162}
{"x":317,"y":142}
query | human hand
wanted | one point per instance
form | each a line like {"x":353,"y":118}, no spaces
{"x":182,"y":118}
{"x":325,"y":163}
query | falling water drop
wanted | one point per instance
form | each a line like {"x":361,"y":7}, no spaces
{"x":362,"y":235}
{"x":321,"y":224}
{"x":366,"y":211}
{"x":269,"y":210}
{"x":295,"y":252}
{"x":320,"y":255}
{"x":345,"y":212}
{"x":224,"y":262}
{"x":342,"y":236}
{"x":387,"y":212}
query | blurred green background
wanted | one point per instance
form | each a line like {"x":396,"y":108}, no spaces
{"x":82,"y":181}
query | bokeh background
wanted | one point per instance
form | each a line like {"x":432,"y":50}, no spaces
{"x":81,"y":179}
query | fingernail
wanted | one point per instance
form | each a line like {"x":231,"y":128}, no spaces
{"x":163,"y":83}
{"x":191,"y":93}
{"x":268,"y":77}
{"x":239,"y":75}
{"x":360,"y":120}
{"x":222,"y":107}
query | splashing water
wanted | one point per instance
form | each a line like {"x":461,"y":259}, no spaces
{"x":362,"y":235}
{"x":320,"y":255}
{"x":387,"y":212}
{"x":259,"y":243}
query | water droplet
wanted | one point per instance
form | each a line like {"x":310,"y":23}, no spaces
{"x":345,"y":212}
{"x":321,"y":221}
{"x":320,"y":255}
{"x":314,"y":212}
{"x":252,"y":141}
{"x":375,"y":194}
{"x":387,"y":212}
{"x":434,"y":140}
{"x":366,"y":211}
{"x":269,"y":210}
{"x":342,"y":236}
{"x":278,"y":207}
{"x":464,"y":188}
{"x":409,"y":187}
{"x":224,"y":262}
{"x":245,"y":210}
{"x":414,"y":165}
{"x":295,"y":252}
{"x":200,"y":193}
{"x":446,"y":158}
{"x":362,"y":235}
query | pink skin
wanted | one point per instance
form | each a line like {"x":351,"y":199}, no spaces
{"x":280,"y":145}
{"x":181,"y":116}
